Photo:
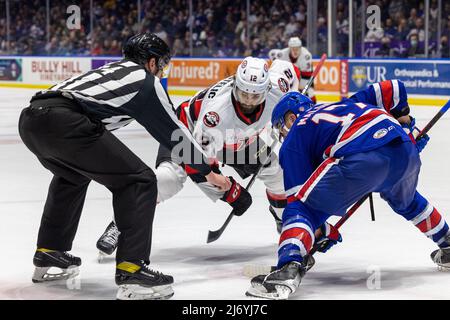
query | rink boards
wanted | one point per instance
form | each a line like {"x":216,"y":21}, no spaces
{"x":427,"y":81}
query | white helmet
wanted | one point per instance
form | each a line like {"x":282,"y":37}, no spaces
{"x":252,"y":82}
{"x":273,"y":54}
{"x":294,"y":42}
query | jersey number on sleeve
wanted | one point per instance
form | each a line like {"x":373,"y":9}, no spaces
{"x":328,"y":117}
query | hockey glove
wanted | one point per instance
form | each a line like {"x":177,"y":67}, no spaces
{"x":330,"y":237}
{"x":410,"y":128}
{"x":238,"y":198}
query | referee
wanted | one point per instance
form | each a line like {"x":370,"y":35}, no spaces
{"x":68,"y":128}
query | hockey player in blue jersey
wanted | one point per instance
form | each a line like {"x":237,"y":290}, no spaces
{"x":332,"y":155}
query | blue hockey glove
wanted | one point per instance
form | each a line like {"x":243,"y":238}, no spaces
{"x":410,"y":128}
{"x":330,"y":237}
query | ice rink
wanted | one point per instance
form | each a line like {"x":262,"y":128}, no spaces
{"x":390,"y":249}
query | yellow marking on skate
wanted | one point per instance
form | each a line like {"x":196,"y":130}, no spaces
{"x":44,"y":250}
{"x":128,"y":267}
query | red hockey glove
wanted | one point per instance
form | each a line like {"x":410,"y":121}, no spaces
{"x":238,"y":198}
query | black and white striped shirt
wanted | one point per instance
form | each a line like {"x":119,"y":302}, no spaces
{"x":122,"y":91}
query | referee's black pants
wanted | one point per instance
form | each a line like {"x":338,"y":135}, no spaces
{"x":77,"y":150}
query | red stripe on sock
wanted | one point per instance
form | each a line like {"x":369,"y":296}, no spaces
{"x":299,"y":233}
{"x":431,"y":222}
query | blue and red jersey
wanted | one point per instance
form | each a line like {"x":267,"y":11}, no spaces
{"x":389,"y":94}
{"x":331,"y":131}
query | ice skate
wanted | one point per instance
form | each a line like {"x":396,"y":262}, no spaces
{"x":45,"y":259}
{"x":279,"y":284}
{"x":108,"y":241}
{"x":442,"y":257}
{"x":137,"y":281}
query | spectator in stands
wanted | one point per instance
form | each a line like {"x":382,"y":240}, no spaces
{"x":389,"y":29}
{"x":159,"y":31}
{"x":446,"y":30}
{"x":445,"y":48}
{"x":415,"y":50}
{"x":97,"y":49}
{"x":394,"y":7}
{"x":293,"y":27}
{"x":300,"y":15}
{"x":402,"y":30}
{"x":322,"y":34}
{"x":412,"y":18}
{"x":418,"y":30}
{"x":385,"y":49}
{"x":342,"y":29}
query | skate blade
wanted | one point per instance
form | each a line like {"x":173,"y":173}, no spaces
{"x":280,"y":292}
{"x":102,"y":256}
{"x":443,"y":267}
{"x":137,"y":292}
{"x":41,"y":274}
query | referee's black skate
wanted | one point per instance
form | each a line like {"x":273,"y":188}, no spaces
{"x":442,"y":257}
{"x":279,"y":284}
{"x":108,"y":241}
{"x":137,"y":281}
{"x":44,"y":259}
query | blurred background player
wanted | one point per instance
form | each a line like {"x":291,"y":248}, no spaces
{"x":357,"y":141}
{"x":302,"y":59}
{"x":68,"y":128}
{"x":231,"y":120}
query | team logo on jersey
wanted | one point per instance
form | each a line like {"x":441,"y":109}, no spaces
{"x":359,"y":76}
{"x":283,"y":84}
{"x":380,"y":133}
{"x":211,"y":119}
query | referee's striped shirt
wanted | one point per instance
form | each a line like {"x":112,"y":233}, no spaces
{"x":122,"y":91}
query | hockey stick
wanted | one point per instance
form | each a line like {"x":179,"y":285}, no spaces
{"x":214,"y":235}
{"x":433,"y":121}
{"x":254,"y":270}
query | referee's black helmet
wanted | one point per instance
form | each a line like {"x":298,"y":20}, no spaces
{"x":142,"y":47}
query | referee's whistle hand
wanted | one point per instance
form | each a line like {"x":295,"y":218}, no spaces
{"x":220,"y":181}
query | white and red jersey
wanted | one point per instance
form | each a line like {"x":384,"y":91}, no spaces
{"x":304,"y":63}
{"x":281,"y":71}
{"x":216,"y":121}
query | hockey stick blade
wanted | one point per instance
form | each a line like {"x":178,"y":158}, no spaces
{"x":214,"y":235}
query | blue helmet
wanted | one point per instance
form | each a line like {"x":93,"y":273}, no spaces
{"x":293,"y":101}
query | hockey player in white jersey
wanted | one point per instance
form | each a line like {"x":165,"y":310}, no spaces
{"x":300,"y":57}
{"x":231,"y":120}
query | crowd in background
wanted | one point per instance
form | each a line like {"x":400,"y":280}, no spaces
{"x":219,"y":28}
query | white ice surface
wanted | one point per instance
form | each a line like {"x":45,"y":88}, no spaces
{"x":214,"y":271}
